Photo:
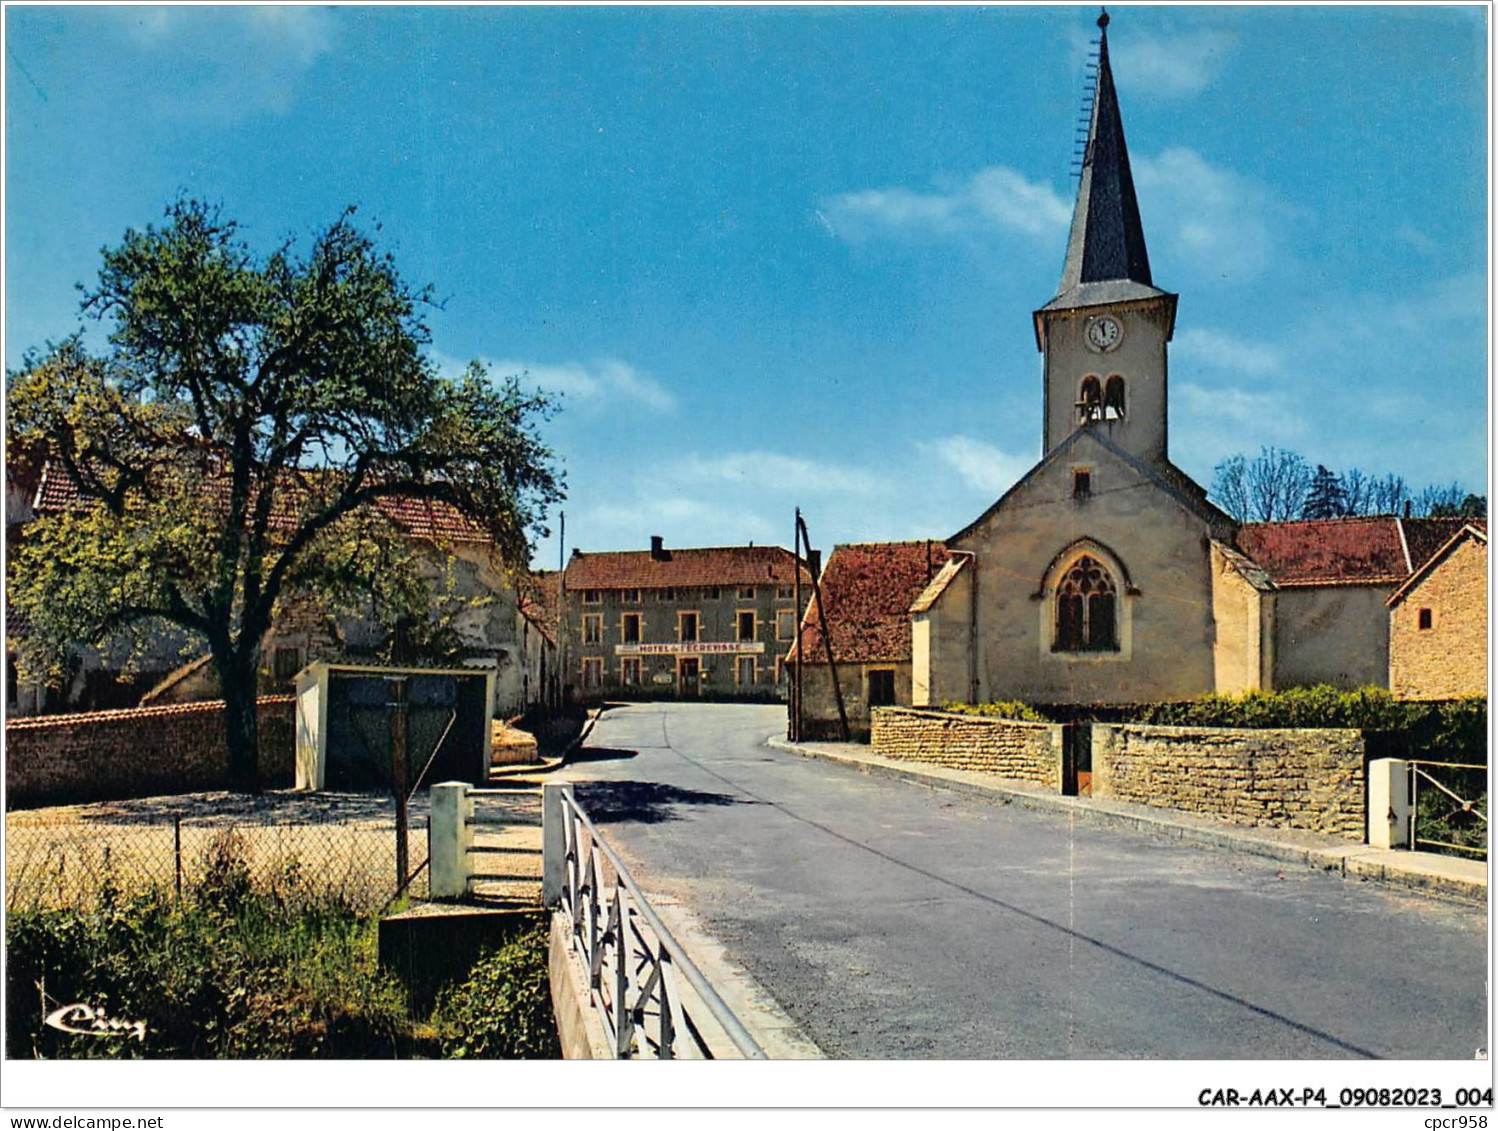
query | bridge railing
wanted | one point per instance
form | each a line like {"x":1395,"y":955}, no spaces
{"x":652,"y":999}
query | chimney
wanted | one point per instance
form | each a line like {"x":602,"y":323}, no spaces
{"x":658,"y":548}
{"x":1406,"y":508}
{"x":814,"y":562}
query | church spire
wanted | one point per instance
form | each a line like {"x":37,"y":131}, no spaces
{"x":1107,"y":239}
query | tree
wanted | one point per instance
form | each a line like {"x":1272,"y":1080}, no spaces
{"x":1356,"y":492}
{"x":1325,"y":498}
{"x":1441,"y":500}
{"x":1230,"y":487}
{"x":1388,"y":495}
{"x":238,"y":438}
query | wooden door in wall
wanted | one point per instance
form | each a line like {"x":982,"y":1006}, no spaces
{"x":688,"y":675}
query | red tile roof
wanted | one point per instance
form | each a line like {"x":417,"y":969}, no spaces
{"x":421,"y":518}
{"x":1346,"y":551}
{"x":682,"y":569}
{"x":1327,"y":551}
{"x":869,"y":589}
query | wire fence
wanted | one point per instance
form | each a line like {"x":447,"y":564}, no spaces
{"x":341,"y":849}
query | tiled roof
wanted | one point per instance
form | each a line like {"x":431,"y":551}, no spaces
{"x":869,"y":589}
{"x":682,"y":569}
{"x":1425,"y":536}
{"x":1327,"y":551}
{"x":421,"y":518}
{"x":1475,"y":528}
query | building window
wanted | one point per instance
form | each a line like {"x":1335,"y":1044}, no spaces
{"x":1086,"y":609}
{"x":686,"y":627}
{"x":629,"y":671}
{"x":1113,"y":398}
{"x":629,"y":628}
{"x":1081,"y":483}
{"x":592,"y":596}
{"x":713,"y":593}
{"x":1427,"y":618}
{"x":785,"y":592}
{"x":593,"y":628}
{"x":785,"y":625}
{"x":667,"y":594}
{"x":746,"y":625}
{"x":592,"y":673}
{"x":746,"y":671}
{"x":746,"y":592}
{"x":630,"y":596}
{"x":881,"y":687}
{"x":288,"y":662}
{"x":1090,"y":400}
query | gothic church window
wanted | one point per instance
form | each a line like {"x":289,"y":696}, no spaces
{"x":1113,"y":398}
{"x":1086,"y":609}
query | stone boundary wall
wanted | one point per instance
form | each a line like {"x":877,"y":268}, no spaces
{"x":1285,"y":778}
{"x":1011,"y":749}
{"x":141,"y":752}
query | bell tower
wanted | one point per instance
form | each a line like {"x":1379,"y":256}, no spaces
{"x":1104,"y":335}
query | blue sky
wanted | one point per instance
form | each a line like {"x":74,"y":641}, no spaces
{"x":782,"y":256}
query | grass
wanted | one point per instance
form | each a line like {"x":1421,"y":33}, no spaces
{"x":243,"y":969}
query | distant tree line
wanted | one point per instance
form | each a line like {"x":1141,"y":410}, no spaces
{"x":1279,"y":485}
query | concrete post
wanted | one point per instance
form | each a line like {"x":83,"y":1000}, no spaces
{"x":1388,"y":803}
{"x":553,"y":845}
{"x":451,"y":837}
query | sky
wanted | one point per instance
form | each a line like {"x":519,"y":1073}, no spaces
{"x":780,"y":257}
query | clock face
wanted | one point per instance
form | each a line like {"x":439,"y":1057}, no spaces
{"x":1104,"y":333}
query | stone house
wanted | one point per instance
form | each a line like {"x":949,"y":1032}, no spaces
{"x":1438,"y":621}
{"x":867,"y":590}
{"x":714,"y":621}
{"x":1105,"y":575}
{"x":493,"y":626}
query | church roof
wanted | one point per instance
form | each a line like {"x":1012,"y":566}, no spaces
{"x":869,"y":589}
{"x":1106,"y":259}
{"x":1372,"y":550}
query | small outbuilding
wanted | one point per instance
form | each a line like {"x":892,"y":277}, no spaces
{"x":346,"y":725}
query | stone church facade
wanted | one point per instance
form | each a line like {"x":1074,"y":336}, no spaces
{"x":1105,"y":575}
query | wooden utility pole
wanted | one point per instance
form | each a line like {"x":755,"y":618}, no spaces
{"x":795,"y":729}
{"x":816,"y":595}
{"x":561,"y":705}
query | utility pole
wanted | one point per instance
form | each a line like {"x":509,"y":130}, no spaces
{"x":816,"y":595}
{"x":795,"y":728}
{"x":562,"y":612}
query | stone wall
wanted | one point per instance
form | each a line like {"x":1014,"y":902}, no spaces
{"x":1449,"y":658}
{"x":1022,"y":751}
{"x":143,"y":752}
{"x":1294,"y":779}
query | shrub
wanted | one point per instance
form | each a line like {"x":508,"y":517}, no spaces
{"x":504,"y":1008}
{"x":1013,"y":709}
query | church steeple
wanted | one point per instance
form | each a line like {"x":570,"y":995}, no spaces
{"x":1106,"y":260}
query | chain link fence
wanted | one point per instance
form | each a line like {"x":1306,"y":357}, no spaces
{"x":335,"y":847}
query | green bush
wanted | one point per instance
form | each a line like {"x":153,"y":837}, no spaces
{"x":1013,"y":709}
{"x":504,"y":1008}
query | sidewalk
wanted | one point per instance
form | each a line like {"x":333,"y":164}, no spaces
{"x":1445,"y":876}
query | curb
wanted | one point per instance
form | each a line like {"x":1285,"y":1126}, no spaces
{"x":1353,"y":861}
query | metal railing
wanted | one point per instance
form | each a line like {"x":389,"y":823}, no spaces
{"x":1450,"y":811}
{"x":635,"y":966}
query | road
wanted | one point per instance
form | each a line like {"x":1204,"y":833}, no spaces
{"x":891,"y":920}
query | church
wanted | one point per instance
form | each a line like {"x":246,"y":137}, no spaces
{"x":1105,"y":575}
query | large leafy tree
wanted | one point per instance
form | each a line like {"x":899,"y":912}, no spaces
{"x":238,"y":442}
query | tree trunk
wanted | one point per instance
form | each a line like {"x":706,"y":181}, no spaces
{"x":241,"y":726}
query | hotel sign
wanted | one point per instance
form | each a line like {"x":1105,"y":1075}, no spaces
{"x":690,"y":648}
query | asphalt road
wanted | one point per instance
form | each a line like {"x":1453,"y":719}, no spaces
{"x":894,"y":920}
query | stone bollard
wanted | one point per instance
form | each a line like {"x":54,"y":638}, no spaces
{"x":553,"y":843}
{"x":451,"y":838}
{"x":1388,"y":803}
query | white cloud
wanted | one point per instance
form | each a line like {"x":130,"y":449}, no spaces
{"x":606,"y":379}
{"x":1417,"y":239}
{"x":1171,"y":66}
{"x":1220,"y":222}
{"x":681,"y":519}
{"x":772,"y":471}
{"x":979,"y":464}
{"x":1216,"y":350}
{"x":993,"y":199}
